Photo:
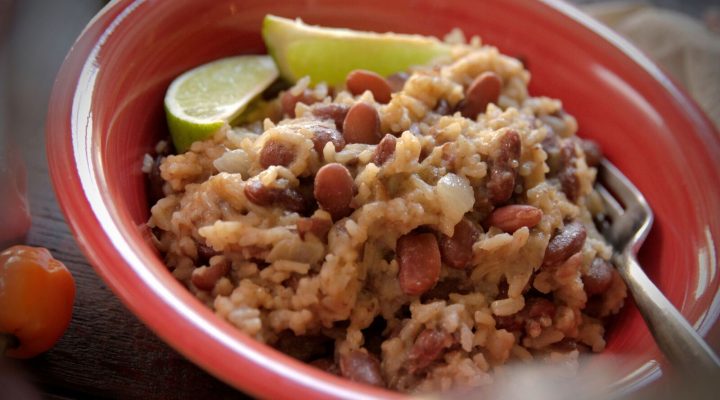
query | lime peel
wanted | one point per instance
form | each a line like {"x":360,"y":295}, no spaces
{"x":329,"y":54}
{"x":202,"y":100}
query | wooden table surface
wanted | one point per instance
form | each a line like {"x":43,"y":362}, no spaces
{"x":106,"y":352}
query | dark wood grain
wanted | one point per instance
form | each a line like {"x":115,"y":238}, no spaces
{"x":106,"y":352}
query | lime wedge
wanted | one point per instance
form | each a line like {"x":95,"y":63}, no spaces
{"x":203,"y":99}
{"x":329,"y":54}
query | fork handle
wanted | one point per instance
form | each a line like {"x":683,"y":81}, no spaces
{"x":680,"y":343}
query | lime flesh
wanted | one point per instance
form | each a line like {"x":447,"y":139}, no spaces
{"x":202,"y":100}
{"x":329,"y":54}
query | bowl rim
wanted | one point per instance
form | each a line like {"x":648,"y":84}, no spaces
{"x":256,"y":368}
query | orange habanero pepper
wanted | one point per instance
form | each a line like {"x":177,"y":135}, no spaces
{"x":36,"y":298}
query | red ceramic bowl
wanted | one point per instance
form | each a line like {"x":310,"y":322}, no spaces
{"x":106,"y":112}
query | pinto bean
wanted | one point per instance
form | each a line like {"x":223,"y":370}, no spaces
{"x":289,"y":100}
{"x":593,"y":153}
{"x":360,"y":80}
{"x":427,"y":348}
{"x":205,"y":278}
{"x":322,"y":135}
{"x":359,"y":366}
{"x":485,"y":89}
{"x":333,"y":111}
{"x":334,"y":190}
{"x":567,"y":241}
{"x":418,"y":258}
{"x":275,"y":152}
{"x":513,"y":217}
{"x":384,"y":150}
{"x":568,"y":178}
{"x":457,"y":250}
{"x":362,"y":124}
{"x":397,"y":81}
{"x":317,"y":226}
{"x":262,"y":195}
{"x":598,"y":278}
{"x":502,"y":171}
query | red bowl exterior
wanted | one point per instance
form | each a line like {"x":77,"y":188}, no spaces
{"x":106,"y":112}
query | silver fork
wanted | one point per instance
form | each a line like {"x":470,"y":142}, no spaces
{"x":628,"y":228}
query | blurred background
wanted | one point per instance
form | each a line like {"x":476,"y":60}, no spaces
{"x":107,"y":352}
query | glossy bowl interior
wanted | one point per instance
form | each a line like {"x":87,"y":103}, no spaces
{"x":106,"y":113}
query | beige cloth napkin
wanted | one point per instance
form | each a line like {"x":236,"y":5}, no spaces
{"x":683,"y":46}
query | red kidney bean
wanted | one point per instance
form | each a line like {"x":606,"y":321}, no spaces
{"x":568,"y":179}
{"x":593,"y":153}
{"x":359,"y":366}
{"x":511,"y":323}
{"x":384,"y":150}
{"x":362,"y":124}
{"x":333,"y":111}
{"x":513,"y":217}
{"x":261,"y":195}
{"x":334,"y":190}
{"x":418,"y":258}
{"x":567,"y":241}
{"x":501,"y":183}
{"x":317,"y":226}
{"x":457,"y":250}
{"x":291,"y":200}
{"x":443,"y":289}
{"x":485,"y":89}
{"x":276,"y":153}
{"x":205,"y":253}
{"x":594,"y":307}
{"x":205,"y":278}
{"x":322,"y":135}
{"x":537,"y":307}
{"x":598,"y":278}
{"x":483,"y":204}
{"x":288,"y":101}
{"x":360,"y":80}
{"x":427,"y":348}
{"x":397,"y":81}
{"x":327,"y":365}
